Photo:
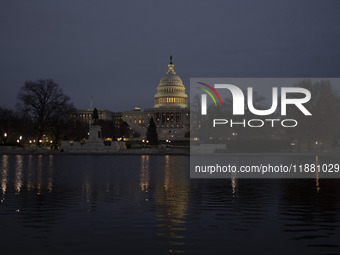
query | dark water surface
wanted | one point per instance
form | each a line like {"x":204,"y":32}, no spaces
{"x":149,"y":205}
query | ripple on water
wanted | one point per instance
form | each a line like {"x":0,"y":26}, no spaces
{"x":151,"y":205}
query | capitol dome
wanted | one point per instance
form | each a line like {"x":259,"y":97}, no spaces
{"x":171,"y":91}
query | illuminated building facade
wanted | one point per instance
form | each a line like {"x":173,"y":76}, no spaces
{"x":170,"y":111}
{"x":117,"y":119}
{"x":85,"y":115}
{"x":171,"y":91}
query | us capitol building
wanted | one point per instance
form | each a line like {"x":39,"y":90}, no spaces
{"x":170,"y":111}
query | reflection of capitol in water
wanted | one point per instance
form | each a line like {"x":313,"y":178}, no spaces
{"x":171,"y":197}
{"x":166,"y":187}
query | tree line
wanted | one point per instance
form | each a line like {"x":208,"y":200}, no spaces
{"x":42,"y":112}
{"x":43,"y":115}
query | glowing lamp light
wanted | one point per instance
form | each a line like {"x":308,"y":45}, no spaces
{"x":5,"y":134}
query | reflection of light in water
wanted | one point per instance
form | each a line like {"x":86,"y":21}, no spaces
{"x":86,"y":187}
{"x":39,"y":181}
{"x":50,"y":174}
{"x":144,"y":173}
{"x":116,"y":189}
{"x":87,"y":191}
{"x":18,"y":174}
{"x":30,"y":184}
{"x":317,"y":173}
{"x":166,"y":172}
{"x":4,"y":175}
{"x":234,"y":183}
{"x":172,"y":203}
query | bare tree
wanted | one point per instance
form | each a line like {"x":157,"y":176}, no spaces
{"x":59,"y":120}
{"x":322,"y":126}
{"x":42,"y":100}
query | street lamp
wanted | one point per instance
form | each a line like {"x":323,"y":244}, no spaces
{"x":167,"y":143}
{"x":5,"y":138}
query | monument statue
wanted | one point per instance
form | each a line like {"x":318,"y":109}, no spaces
{"x":95,"y":116}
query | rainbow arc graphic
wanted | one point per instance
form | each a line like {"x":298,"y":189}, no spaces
{"x":209,"y":93}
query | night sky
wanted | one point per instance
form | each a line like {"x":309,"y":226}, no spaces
{"x":117,"y":51}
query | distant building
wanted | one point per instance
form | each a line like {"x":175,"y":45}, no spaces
{"x":170,"y":111}
{"x":85,"y":115}
{"x":117,"y":119}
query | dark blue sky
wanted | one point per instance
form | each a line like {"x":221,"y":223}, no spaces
{"x":117,"y":51}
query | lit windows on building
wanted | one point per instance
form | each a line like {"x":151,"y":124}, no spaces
{"x":85,"y":115}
